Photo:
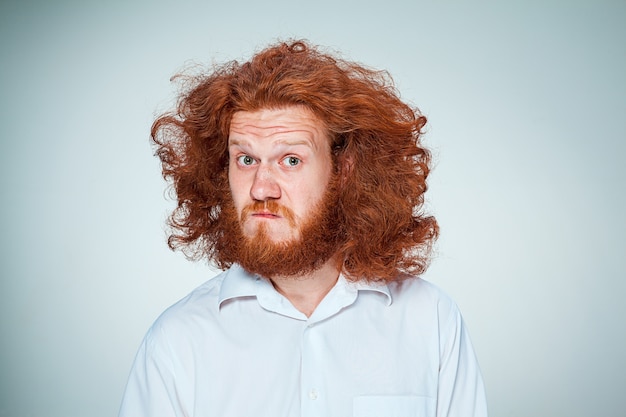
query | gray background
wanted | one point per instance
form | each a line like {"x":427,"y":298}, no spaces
{"x":526,"y":102}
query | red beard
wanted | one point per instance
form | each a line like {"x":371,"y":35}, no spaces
{"x":319,"y":238}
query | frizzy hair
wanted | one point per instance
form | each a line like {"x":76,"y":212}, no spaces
{"x":375,"y":139}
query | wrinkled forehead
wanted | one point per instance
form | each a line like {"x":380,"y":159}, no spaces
{"x":287,"y":121}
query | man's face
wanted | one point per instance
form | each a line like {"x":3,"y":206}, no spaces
{"x":279,"y":170}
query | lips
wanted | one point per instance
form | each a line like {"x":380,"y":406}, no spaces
{"x":265,"y":215}
{"x":268,"y":210}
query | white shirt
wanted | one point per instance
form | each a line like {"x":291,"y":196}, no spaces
{"x":236,"y":347}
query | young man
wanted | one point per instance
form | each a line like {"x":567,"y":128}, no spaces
{"x":302,"y":176}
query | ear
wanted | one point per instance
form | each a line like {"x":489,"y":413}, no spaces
{"x":345,"y":165}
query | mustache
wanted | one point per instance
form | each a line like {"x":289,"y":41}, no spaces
{"x":269,"y":206}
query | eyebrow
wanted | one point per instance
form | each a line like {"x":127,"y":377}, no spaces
{"x":288,"y":142}
{"x":232,"y":142}
{"x":295,"y":142}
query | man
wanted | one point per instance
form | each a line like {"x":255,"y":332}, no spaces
{"x":302,"y":176}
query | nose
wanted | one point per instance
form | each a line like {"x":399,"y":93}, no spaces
{"x":264,"y":187}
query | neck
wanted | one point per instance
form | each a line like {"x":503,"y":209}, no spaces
{"x":305,"y":292}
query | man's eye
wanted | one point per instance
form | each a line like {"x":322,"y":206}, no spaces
{"x":245,"y":160}
{"x":291,"y":161}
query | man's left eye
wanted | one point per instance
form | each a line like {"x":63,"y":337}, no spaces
{"x":291,"y":161}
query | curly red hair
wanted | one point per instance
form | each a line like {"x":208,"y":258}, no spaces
{"x":375,"y":140}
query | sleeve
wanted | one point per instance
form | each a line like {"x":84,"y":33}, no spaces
{"x":151,"y":389}
{"x":461,"y":392}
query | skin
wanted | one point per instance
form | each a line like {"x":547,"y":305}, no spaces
{"x":282,"y":155}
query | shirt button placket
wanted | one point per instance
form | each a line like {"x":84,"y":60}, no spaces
{"x":312,"y":401}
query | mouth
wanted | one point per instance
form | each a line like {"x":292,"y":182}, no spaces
{"x":265,"y":215}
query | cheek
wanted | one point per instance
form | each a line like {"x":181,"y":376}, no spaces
{"x":238,"y":190}
{"x":321,"y":179}
{"x":305,"y":195}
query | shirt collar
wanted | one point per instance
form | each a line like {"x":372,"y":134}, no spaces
{"x":240,"y":283}
{"x":379,"y":287}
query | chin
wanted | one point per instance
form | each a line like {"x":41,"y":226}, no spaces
{"x":278,"y":238}
{"x":278,"y":235}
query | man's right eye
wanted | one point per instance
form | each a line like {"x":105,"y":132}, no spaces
{"x":245,"y":160}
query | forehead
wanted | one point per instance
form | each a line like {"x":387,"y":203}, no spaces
{"x":268,"y":123}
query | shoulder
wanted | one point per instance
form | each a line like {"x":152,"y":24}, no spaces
{"x":422,"y":297}
{"x":199,"y":306}
{"x":416,"y":288}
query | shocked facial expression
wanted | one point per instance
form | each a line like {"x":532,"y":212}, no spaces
{"x":280,"y":165}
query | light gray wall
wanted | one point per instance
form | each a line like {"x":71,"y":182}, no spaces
{"x":526,"y":102}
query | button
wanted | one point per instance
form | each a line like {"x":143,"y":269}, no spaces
{"x":313,"y":394}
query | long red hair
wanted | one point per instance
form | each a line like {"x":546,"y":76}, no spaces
{"x":375,"y":140}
